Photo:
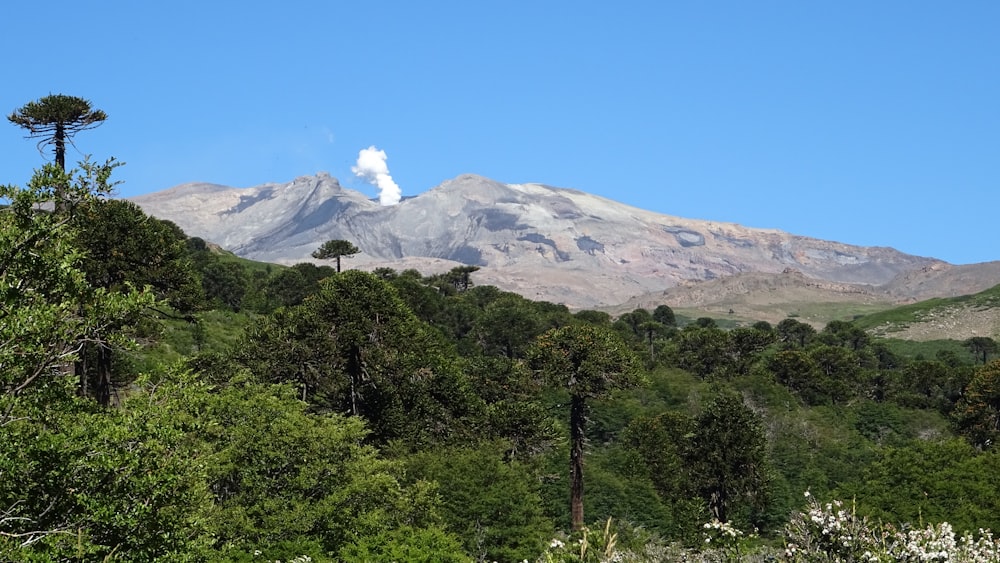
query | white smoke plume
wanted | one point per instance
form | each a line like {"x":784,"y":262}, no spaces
{"x":372,"y":168}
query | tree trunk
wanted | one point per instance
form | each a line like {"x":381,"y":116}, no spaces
{"x":577,"y":420}
{"x":354,"y":373}
{"x":61,"y":204}
{"x":60,"y":142}
{"x":104,"y":384}
{"x":338,"y":264}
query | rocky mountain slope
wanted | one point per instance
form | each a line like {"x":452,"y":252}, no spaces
{"x":547,"y":243}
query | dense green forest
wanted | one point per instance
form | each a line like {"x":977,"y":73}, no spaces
{"x":164,"y":400}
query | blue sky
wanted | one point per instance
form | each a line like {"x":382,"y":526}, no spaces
{"x":871,"y":123}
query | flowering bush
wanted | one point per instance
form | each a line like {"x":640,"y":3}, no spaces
{"x":823,"y":532}
{"x":724,"y":537}
{"x":831,"y":533}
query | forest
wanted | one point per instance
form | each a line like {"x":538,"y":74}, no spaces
{"x":164,"y":400}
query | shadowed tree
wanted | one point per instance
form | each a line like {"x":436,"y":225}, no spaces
{"x":55,"y":119}
{"x":507,"y":326}
{"x":664,"y":315}
{"x":977,"y":414}
{"x":589,"y":362}
{"x":335,"y":249}
{"x":981,"y":347}
{"x":729,"y":457}
{"x":461,"y":277}
{"x":650,"y":330}
{"x":794,"y":334}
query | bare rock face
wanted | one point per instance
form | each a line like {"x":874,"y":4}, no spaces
{"x":547,"y":243}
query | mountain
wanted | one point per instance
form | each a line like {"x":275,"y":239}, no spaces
{"x":549,"y":243}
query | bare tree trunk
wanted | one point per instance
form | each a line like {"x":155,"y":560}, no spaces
{"x":60,"y":141}
{"x":577,"y":420}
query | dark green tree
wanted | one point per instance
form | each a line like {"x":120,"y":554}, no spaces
{"x":981,"y":347}
{"x":631,"y":323}
{"x":593,"y":317}
{"x":123,"y":246}
{"x":48,"y":310}
{"x":977,"y":414}
{"x":745,"y":345}
{"x":508,"y":326}
{"x":225,"y":283}
{"x":702,"y":351}
{"x":839,"y":374}
{"x":798,"y":371}
{"x":705,"y":322}
{"x":588,"y":362}
{"x":55,"y":119}
{"x":794,"y":334}
{"x":491,"y":502}
{"x":845,"y":334}
{"x":356,"y":348}
{"x":461,"y":277}
{"x":664,"y":315}
{"x":663,"y":444}
{"x":335,"y":249}
{"x":729,"y":453}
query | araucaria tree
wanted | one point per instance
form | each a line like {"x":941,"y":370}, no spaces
{"x":55,"y":119}
{"x":589,"y":362}
{"x":335,"y":249}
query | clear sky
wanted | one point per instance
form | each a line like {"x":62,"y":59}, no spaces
{"x":865,"y":122}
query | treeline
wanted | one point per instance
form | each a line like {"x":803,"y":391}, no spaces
{"x":392,"y":416}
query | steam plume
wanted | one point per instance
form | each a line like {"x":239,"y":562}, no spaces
{"x":372,"y":168}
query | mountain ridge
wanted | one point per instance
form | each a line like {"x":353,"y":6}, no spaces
{"x":545,"y":242}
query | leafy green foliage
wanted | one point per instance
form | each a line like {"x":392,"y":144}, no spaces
{"x":280,"y":474}
{"x":125,"y":247}
{"x":91,"y":485}
{"x":491,"y":503}
{"x":728,"y":451}
{"x":930,"y":481}
{"x":507,"y":326}
{"x":47,"y":308}
{"x":355,"y":348}
{"x":977,"y":414}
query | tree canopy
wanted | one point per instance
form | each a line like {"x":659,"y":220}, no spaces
{"x":335,"y":249}
{"x":55,"y":119}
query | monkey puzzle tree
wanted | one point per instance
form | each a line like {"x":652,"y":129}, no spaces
{"x":335,"y":249}
{"x":55,"y":119}
{"x":589,"y":362}
{"x":981,"y":347}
